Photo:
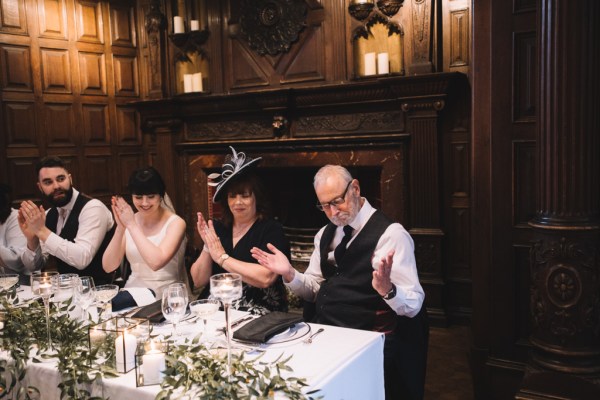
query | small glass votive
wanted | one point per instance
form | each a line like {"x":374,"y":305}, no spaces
{"x":116,"y":340}
{"x":150,"y":362}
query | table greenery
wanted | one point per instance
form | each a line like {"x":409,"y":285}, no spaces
{"x":193,"y":371}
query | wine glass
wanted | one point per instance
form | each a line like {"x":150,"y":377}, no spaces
{"x":65,"y":288}
{"x":104,"y":294}
{"x":226,"y":288}
{"x":44,"y":284}
{"x":85,"y":293}
{"x":7,"y":281}
{"x":204,"y":309}
{"x":174,"y":304}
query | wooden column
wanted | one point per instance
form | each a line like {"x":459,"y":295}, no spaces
{"x":565,"y":261}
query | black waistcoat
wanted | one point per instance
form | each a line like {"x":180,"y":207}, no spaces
{"x":69,"y":232}
{"x":346,"y":297}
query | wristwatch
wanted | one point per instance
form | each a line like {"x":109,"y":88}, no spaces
{"x":222,"y":259}
{"x":390,"y":294}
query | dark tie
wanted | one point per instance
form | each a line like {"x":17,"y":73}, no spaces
{"x":339,"y":251}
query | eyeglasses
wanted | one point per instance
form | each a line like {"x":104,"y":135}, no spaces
{"x":338,"y":201}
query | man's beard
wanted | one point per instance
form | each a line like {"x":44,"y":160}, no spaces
{"x":62,"y":201}
{"x":343,"y":219}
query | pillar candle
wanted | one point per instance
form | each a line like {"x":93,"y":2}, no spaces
{"x":125,"y":346}
{"x":197,"y":82}
{"x":178,"y":25}
{"x":188,"y":83}
{"x":370,"y":64}
{"x":153,"y":366}
{"x":194,"y":25}
{"x":383,"y":63}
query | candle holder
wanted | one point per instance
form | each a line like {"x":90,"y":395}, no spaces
{"x":150,"y":362}
{"x":116,"y":340}
{"x":360,"y":10}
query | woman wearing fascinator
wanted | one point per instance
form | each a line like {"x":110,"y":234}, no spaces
{"x":245,"y":224}
{"x":153,"y":238}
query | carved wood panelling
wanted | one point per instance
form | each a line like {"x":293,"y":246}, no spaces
{"x":23,"y":167}
{"x":459,"y":245}
{"x":246,"y":71}
{"x":308,"y":62}
{"x":127,"y":163}
{"x":16,"y":68}
{"x":459,"y":37}
{"x":229,"y":130}
{"x":459,"y":164}
{"x":122,"y":26}
{"x":127,"y":126}
{"x":56,"y":71}
{"x":19,"y":123}
{"x":89,"y":21}
{"x":525,"y":77}
{"x":13,"y":18}
{"x":421,"y":34}
{"x":126,"y":75}
{"x":96,"y":124}
{"x":99,"y":176}
{"x":92,"y":73}
{"x":524,"y":183}
{"x":522,"y":290}
{"x":59,"y":124}
{"x":524,"y":6}
{"x":52,"y":17}
{"x":367,"y":122}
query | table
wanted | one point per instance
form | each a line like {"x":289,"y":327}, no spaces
{"x":342,"y":363}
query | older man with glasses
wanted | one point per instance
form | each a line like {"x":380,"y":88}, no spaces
{"x":363,"y":275}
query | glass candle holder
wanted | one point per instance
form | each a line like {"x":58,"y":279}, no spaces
{"x":150,"y":362}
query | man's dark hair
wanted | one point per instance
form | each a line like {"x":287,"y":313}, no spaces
{"x":5,"y":200}
{"x":49,"y":162}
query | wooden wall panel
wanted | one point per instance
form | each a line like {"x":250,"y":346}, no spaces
{"x":99,"y":175}
{"x":96,"y":124}
{"x":524,"y":183}
{"x":525,"y":67}
{"x":52,"y":19}
{"x":128,"y":132}
{"x":89,"y":21}
{"x":92,"y":73}
{"x":13,"y":18}
{"x":19,"y":123}
{"x":126,"y":75}
{"x":308,"y":62}
{"x":16,"y":68}
{"x":56,"y":71}
{"x":122,"y":26}
{"x":460,"y":29}
{"x":59,"y":125}
{"x":25,"y":187}
{"x":127,"y":162}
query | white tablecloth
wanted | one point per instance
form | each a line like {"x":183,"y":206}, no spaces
{"x":342,"y":363}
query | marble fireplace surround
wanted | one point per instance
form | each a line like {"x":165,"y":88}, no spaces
{"x":388,"y":132}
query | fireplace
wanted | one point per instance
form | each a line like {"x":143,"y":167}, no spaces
{"x":390,"y":133}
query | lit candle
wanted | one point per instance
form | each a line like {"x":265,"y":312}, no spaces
{"x":194,"y":25}
{"x":188,"y":85}
{"x":383,"y":63}
{"x":178,"y":25}
{"x":153,"y":365}
{"x":96,"y":336}
{"x":125,"y":346}
{"x":197,"y":82}
{"x":370,"y":64}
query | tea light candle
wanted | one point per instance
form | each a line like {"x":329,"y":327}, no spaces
{"x":194,"y":25}
{"x":370,"y":64}
{"x":153,"y":365}
{"x":125,"y":346}
{"x":96,"y":336}
{"x":197,"y":82}
{"x":178,"y":25}
{"x":45,"y":288}
{"x":383,"y":63}
{"x":188,"y":85}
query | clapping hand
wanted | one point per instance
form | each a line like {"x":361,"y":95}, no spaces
{"x":381,"y":276}
{"x":275,"y":261}
{"x":122,"y":211}
{"x":209,"y":237}
{"x":31,"y":218}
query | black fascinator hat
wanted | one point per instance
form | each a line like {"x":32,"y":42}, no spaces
{"x":235,"y":164}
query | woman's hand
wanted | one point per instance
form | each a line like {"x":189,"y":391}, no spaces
{"x":210,"y":238}
{"x":122,"y":212}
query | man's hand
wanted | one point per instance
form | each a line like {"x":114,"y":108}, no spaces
{"x":275,"y":261}
{"x":32,"y":221}
{"x":381,"y":276}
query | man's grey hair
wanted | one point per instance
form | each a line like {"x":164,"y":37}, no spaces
{"x":329,"y":170}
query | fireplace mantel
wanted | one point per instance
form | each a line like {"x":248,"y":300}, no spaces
{"x":394,"y":125}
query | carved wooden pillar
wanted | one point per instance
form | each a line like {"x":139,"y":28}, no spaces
{"x":422,"y":44}
{"x":155,"y":29}
{"x":565,"y":261}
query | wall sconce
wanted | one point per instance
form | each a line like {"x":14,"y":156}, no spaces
{"x":360,"y":9}
{"x":280,"y":126}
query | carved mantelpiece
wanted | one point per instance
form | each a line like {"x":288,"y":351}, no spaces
{"x":388,"y":129}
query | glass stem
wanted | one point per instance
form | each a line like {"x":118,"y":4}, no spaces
{"x":47,"y":309}
{"x":228,"y":333}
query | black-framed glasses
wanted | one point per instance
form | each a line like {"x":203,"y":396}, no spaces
{"x":338,"y":201}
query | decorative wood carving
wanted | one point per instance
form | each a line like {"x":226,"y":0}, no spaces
{"x":460,"y":33}
{"x":271,"y":26}
{"x":368,"y":122}
{"x":421,"y":36}
{"x":156,"y":23}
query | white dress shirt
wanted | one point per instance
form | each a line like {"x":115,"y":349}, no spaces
{"x":12,"y":245}
{"x":94,"y":221}
{"x":409,"y":293}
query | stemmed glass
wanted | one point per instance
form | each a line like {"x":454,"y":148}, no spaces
{"x":65,"y":288}
{"x":104,"y":294}
{"x":174,"y":303}
{"x":226,"y":288}
{"x":204,"y":309}
{"x":85,"y":293}
{"x":8,"y":280}
{"x":44,"y":284}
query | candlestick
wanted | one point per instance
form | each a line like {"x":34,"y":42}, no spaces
{"x":188,"y":85}
{"x":197,"y":82}
{"x":125,"y":346}
{"x":194,"y":25}
{"x":153,"y":365}
{"x":370,"y":64}
{"x":383,"y":63}
{"x":178,"y":25}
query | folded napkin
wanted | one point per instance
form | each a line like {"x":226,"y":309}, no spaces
{"x":265,"y":327}
{"x":152,"y":311}
{"x":132,"y":297}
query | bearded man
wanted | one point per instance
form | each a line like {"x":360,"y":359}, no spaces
{"x":363,"y":275}
{"x":73,"y":233}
